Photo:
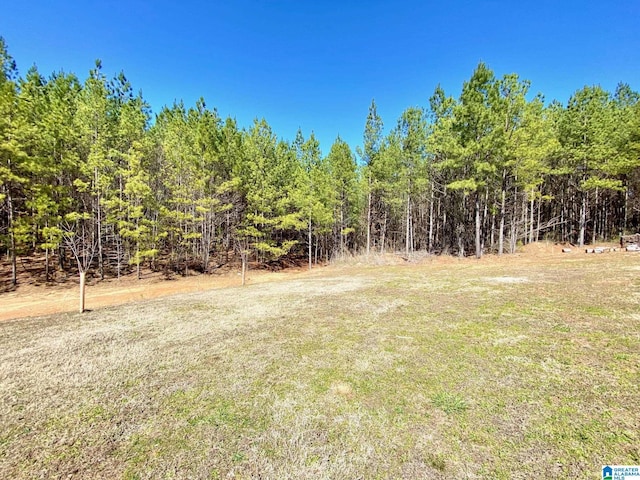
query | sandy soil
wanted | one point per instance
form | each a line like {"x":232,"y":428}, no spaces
{"x":33,"y":298}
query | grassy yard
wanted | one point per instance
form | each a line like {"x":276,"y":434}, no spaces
{"x":508,"y":368}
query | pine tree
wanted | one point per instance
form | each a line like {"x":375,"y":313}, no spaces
{"x":313,"y":196}
{"x":626,"y":143}
{"x":586,"y":137}
{"x":372,"y":144}
{"x":128,"y":206}
{"x":412,"y":137}
{"x":512,"y":145}
{"x":181,"y":184}
{"x":60,"y":155}
{"x":13,"y":157}
{"x":342,"y":167}
{"x":477,"y":128}
{"x":532,"y":146}
{"x":270,"y":219}
{"x":443,"y":145}
{"x":94,"y":121}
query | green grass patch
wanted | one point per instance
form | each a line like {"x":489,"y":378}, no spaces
{"x":449,"y":403}
{"x":504,"y":369}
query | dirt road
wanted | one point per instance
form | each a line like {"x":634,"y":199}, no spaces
{"x":31,"y":299}
{"x":36,"y":300}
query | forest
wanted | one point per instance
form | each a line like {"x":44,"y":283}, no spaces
{"x":91,"y":180}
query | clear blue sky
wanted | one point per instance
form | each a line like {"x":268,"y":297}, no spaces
{"x":317,"y":65}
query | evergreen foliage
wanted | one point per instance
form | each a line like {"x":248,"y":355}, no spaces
{"x":85,"y":172}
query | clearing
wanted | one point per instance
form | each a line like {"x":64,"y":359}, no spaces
{"x":524,"y":366}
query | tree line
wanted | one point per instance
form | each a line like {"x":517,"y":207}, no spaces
{"x":90,"y":180}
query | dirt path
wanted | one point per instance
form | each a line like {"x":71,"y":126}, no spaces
{"x":31,"y":299}
{"x":36,"y":300}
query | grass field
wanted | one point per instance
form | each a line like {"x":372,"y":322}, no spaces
{"x":508,"y":368}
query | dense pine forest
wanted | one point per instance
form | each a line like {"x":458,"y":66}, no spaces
{"x":91,"y":181}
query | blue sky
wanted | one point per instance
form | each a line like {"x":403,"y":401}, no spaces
{"x":317,"y":65}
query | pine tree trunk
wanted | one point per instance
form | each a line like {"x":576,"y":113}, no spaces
{"x":61,"y":257}
{"x":310,"y":243}
{"x":531,"y":218}
{"x":340,"y":233}
{"x":227,"y":241}
{"x":538,"y":224}
{"x":138,"y":261}
{"x":12,"y":241}
{"x":583,"y":219}
{"x":119,"y":255}
{"x":430,"y":243}
{"x":408,"y":232}
{"x":595,"y":221}
{"x":384,"y":233}
{"x":483,"y":222}
{"x":562,"y":219}
{"x":492,"y":240}
{"x":502,"y":216}
{"x":460,"y":227}
{"x":478,"y":244}
{"x":525,"y":230}
{"x":626,"y":209}
{"x":606,"y":218}
{"x":99,"y":227}
{"x":513,"y":226}
{"x":445,"y":241}
{"x":14,"y":259}
{"x":369,"y":220}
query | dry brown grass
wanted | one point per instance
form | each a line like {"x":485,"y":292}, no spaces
{"x":518,"y":367}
